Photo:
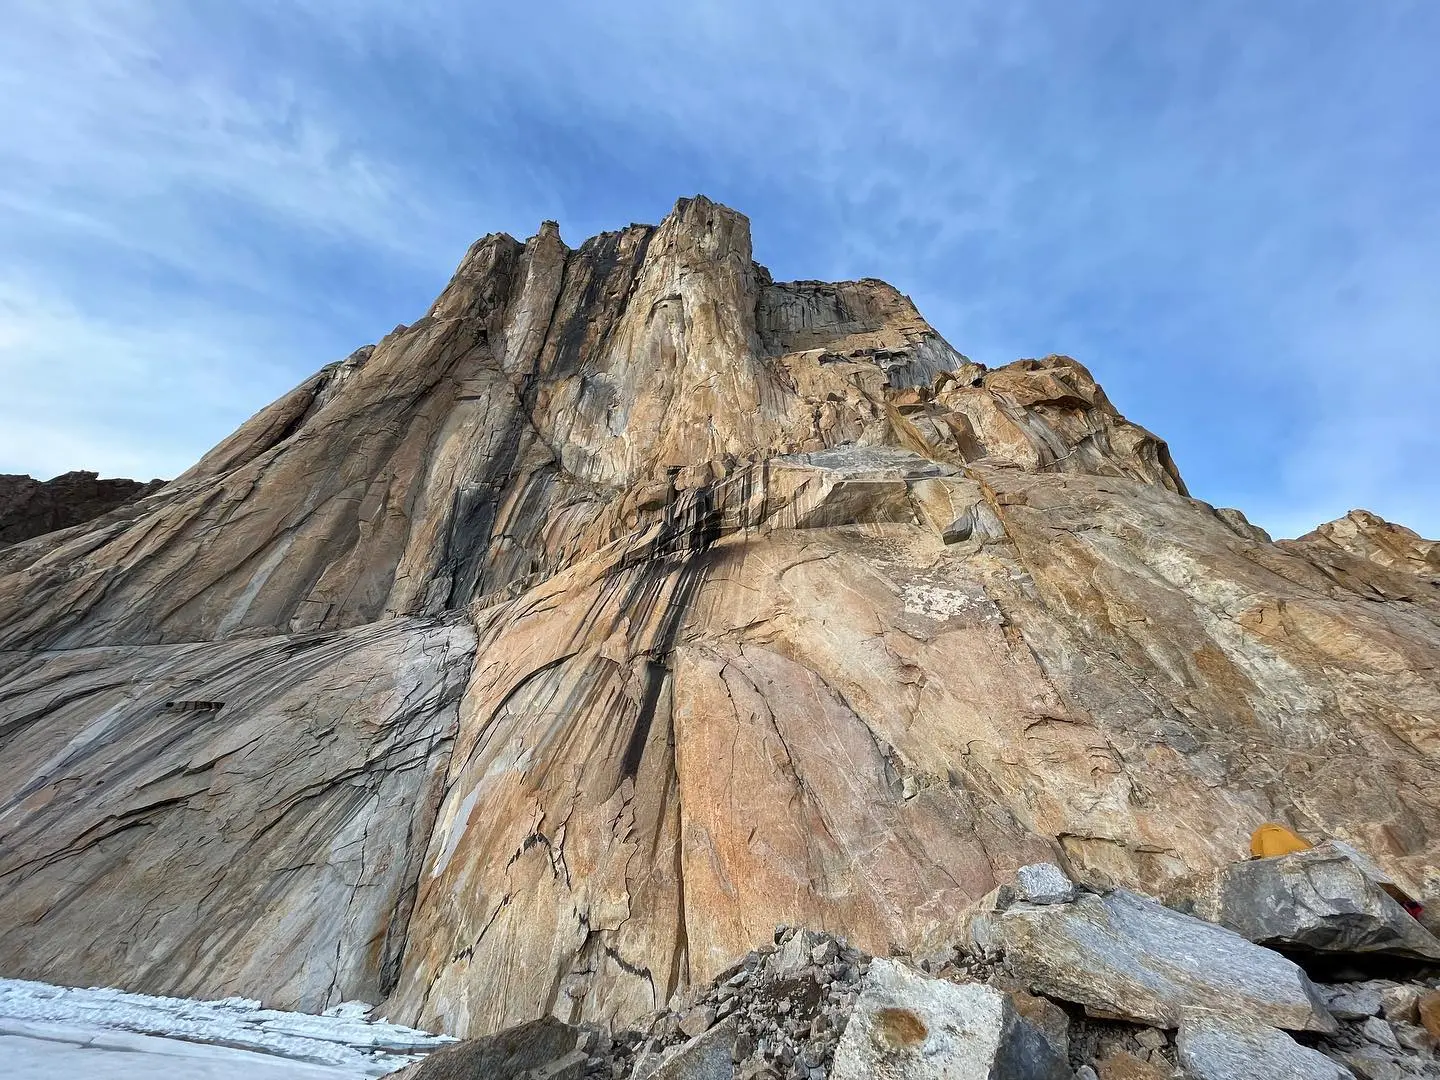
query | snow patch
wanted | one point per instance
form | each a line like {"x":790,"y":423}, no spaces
{"x":40,"y":1021}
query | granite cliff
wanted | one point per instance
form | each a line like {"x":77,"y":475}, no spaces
{"x":544,"y":656}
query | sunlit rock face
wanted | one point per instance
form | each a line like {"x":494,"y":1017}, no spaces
{"x":545,"y":655}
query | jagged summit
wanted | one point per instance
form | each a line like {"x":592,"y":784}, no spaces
{"x":545,"y":405}
{"x":545,"y":655}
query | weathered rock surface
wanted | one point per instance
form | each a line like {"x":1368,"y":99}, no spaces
{"x":1234,"y":1048}
{"x":1350,"y":1002}
{"x":630,"y":603}
{"x":30,"y":507}
{"x":1427,"y":1009}
{"x":1381,"y":542}
{"x":224,"y":814}
{"x":1121,"y":955}
{"x":908,"y":1027}
{"x":1320,"y":900}
{"x":543,"y":1049}
{"x":1122,"y":1065}
{"x":1043,"y":883}
{"x":707,"y":1056}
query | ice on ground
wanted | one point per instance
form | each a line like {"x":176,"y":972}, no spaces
{"x":55,"y":1031}
{"x":52,"y":1052}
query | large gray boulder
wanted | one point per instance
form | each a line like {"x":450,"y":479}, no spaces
{"x":1124,"y":956}
{"x":1322,"y":900}
{"x":909,"y":1027}
{"x":543,"y":1049}
{"x":1233,"y":1049}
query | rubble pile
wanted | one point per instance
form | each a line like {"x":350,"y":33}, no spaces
{"x":1046,"y":979}
{"x":781,"y":1009}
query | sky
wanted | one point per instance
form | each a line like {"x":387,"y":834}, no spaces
{"x":1229,"y":211}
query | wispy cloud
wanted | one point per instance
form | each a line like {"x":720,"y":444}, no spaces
{"x":1230,"y":212}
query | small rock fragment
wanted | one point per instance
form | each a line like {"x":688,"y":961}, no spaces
{"x":1350,"y":1002}
{"x":794,"y":953}
{"x":1044,"y":883}
{"x":697,"y":1021}
{"x":1378,"y":1032}
{"x":823,"y":953}
{"x":1151,"y":1039}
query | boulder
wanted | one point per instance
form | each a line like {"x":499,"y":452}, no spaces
{"x":1413,"y":1038}
{"x":1322,"y":900}
{"x":1233,"y":1049}
{"x":706,"y":1057}
{"x":543,"y":1049}
{"x":697,"y":1021}
{"x":1044,"y":883}
{"x":1124,"y":956}
{"x":1379,"y":1032}
{"x":909,"y":1027}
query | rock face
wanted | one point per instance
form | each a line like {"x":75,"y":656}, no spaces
{"x":545,"y":655}
{"x":1319,"y":901}
{"x":30,"y":507}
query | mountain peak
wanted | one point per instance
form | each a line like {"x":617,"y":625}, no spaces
{"x":545,"y":655}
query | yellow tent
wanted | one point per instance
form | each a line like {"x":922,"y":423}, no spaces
{"x":1271,"y":839}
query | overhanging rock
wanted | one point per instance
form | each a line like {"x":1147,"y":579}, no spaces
{"x":1319,"y":901}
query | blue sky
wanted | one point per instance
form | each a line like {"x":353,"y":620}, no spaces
{"x":1229,"y":211}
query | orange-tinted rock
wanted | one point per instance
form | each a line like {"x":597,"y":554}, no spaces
{"x":1428,"y":1006}
{"x":1122,"y":1065}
